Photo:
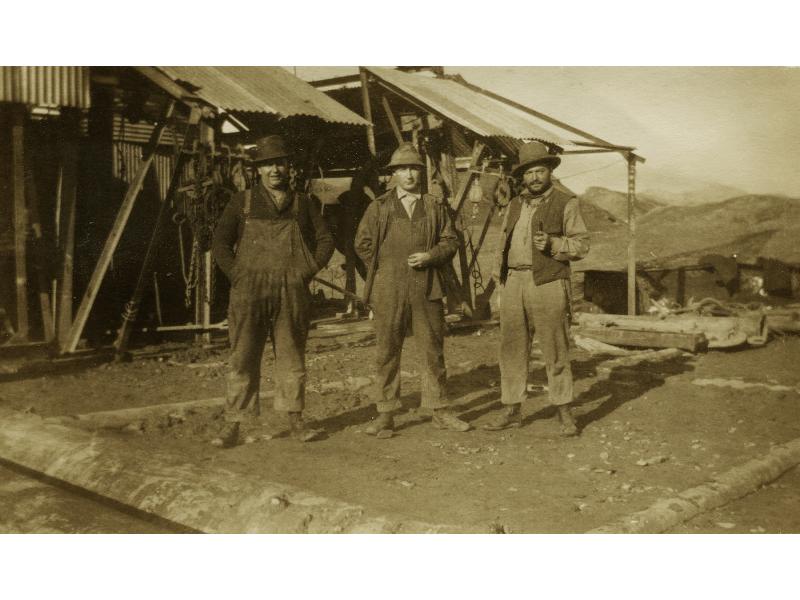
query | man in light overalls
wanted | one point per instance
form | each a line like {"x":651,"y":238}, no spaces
{"x":407,"y":240}
{"x":270,"y":242}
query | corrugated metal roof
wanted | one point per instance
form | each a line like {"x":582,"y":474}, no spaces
{"x":270,"y":90}
{"x":475,"y":111}
{"x":45,"y":86}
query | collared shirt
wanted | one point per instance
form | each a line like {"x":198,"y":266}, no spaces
{"x":573,"y":245}
{"x":280,"y":198}
{"x":408,"y":199}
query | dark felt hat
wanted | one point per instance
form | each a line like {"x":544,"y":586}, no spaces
{"x":268,"y":148}
{"x":535,"y":153}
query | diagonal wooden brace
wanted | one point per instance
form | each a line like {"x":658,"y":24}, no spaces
{"x":116,"y":231}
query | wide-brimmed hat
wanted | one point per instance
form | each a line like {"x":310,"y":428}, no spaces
{"x":268,"y":148}
{"x":405,"y":156}
{"x":535,"y":153}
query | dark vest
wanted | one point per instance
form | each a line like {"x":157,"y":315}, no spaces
{"x":550,"y":217}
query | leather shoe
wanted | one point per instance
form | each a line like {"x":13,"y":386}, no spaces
{"x":302,"y":432}
{"x":510,"y":417}
{"x":445,"y":419}
{"x":568,"y":426}
{"x":228,"y":436}
{"x":381,"y":426}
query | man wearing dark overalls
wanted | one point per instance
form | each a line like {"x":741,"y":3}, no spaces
{"x":270,"y":242}
{"x":405,"y":238}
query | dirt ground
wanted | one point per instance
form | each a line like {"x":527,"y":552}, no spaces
{"x":523,"y":480}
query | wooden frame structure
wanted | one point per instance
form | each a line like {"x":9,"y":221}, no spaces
{"x":483,"y":146}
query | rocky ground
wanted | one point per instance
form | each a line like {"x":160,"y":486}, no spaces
{"x":648,"y":430}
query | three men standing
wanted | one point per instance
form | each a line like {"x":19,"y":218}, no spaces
{"x":542,"y":231}
{"x":270,"y":242}
{"x":405,"y":238}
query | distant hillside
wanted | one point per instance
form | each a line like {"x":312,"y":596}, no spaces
{"x":616,"y":203}
{"x":750,"y":226}
{"x":675,"y":190}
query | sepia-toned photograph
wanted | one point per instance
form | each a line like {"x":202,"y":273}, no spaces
{"x":399,"y":299}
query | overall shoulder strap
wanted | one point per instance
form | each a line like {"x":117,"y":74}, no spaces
{"x":248,"y":199}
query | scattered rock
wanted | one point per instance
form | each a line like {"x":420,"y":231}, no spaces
{"x":134,"y":427}
{"x":653,"y":460}
{"x":279,"y":501}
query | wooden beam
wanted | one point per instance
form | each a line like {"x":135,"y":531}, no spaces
{"x":478,"y":151}
{"x":631,"y":234}
{"x":66,"y":236}
{"x":387,"y":107}
{"x":116,"y":231}
{"x":132,"y":307}
{"x":367,"y":110}
{"x":693,"y":342}
{"x":482,"y":238}
{"x":40,"y":253}
{"x":20,"y":220}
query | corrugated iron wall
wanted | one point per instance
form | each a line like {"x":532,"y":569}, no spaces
{"x":46,"y":86}
{"x":127,"y":157}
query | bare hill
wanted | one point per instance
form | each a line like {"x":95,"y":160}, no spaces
{"x":750,"y":226}
{"x":616,"y":203}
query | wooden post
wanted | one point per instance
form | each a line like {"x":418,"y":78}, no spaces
{"x":392,"y":121}
{"x":631,"y":233}
{"x":39,"y":253}
{"x":20,"y":220}
{"x":208,"y":266}
{"x":66,"y":233}
{"x":132,"y":307}
{"x":116,"y":231}
{"x":367,"y":110}
{"x":456,"y":205}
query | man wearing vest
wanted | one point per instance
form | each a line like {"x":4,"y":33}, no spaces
{"x":270,"y":242}
{"x":406,"y":238}
{"x":542,"y":231}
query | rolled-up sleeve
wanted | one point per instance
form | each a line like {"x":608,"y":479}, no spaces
{"x":574,"y":245}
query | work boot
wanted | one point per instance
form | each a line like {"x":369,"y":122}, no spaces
{"x":511,"y":416}
{"x":443,"y":418}
{"x":228,"y":437}
{"x":568,"y":426}
{"x":302,"y":432}
{"x":381,"y":426}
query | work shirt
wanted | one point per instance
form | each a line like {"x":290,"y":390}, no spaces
{"x":573,"y":245}
{"x":408,"y":200}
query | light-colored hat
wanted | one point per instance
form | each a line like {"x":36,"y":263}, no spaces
{"x":405,"y":156}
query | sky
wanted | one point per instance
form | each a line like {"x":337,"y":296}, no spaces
{"x":729,"y":126}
